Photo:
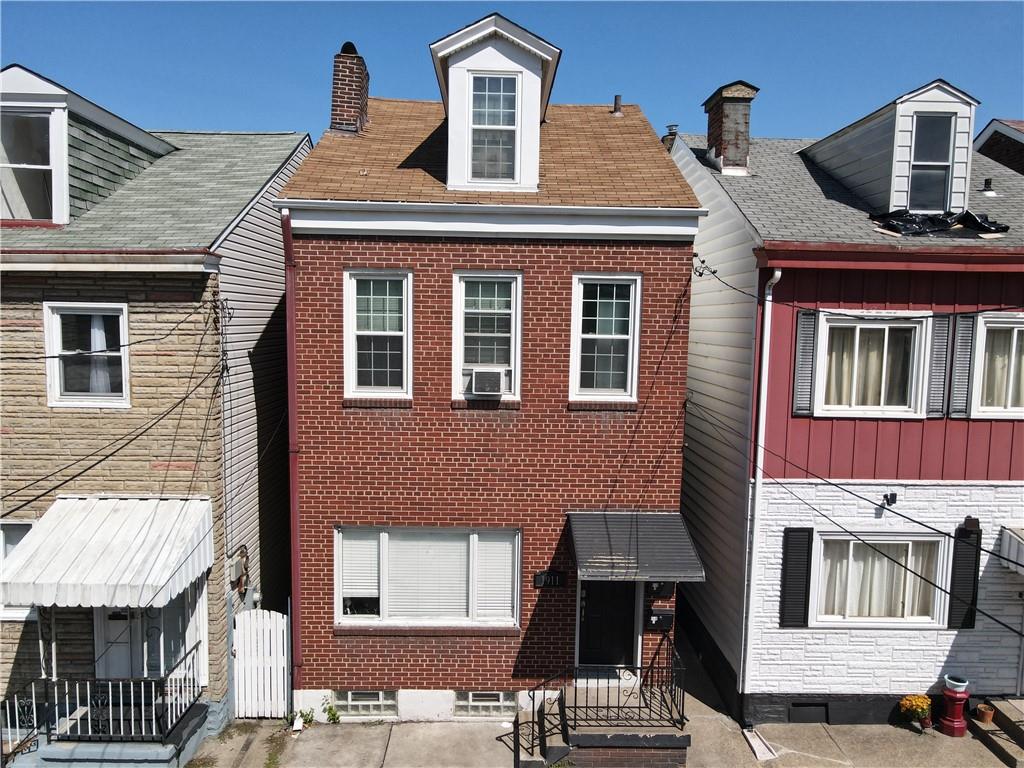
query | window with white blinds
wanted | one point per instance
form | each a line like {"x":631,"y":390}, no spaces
{"x":426,"y":576}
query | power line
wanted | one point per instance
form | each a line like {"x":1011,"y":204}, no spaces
{"x":108,"y":350}
{"x":705,"y":269}
{"x":129,"y":438}
{"x":868,"y":544}
{"x":843,"y":488}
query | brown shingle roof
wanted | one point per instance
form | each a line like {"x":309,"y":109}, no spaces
{"x":587,"y":157}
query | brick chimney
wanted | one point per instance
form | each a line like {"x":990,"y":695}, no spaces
{"x":728,"y":111}
{"x":349,"y":90}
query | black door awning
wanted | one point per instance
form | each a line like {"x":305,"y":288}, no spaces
{"x":634,"y":546}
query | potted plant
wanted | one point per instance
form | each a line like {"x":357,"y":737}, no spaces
{"x":917,"y":706}
{"x":984,"y":712}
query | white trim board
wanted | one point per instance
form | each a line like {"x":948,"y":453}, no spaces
{"x":499,"y":221}
{"x":997,"y":126}
{"x":43,"y":261}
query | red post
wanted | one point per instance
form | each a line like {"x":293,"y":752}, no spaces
{"x":953,"y":722}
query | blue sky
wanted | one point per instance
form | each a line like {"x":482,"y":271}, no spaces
{"x":266,"y":66}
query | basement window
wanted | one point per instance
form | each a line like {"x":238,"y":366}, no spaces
{"x":485,"y":704}
{"x":366,"y":703}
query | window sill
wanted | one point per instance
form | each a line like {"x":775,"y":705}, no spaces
{"x":600,"y":405}
{"x":905,"y":624}
{"x":384,"y":630}
{"x":897,"y":415}
{"x":997,"y":415}
{"x":485,"y":404}
{"x":376,"y":402}
{"x":97,"y":404}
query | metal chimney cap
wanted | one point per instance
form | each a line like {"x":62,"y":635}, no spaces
{"x":349,"y":48}
{"x":672,"y":128}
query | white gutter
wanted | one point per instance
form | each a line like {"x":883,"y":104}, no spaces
{"x":755,"y":495}
{"x":108,"y":261}
{"x":361,"y":217}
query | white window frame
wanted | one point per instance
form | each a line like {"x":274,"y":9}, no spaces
{"x":948,"y":164}
{"x":575,"y":344}
{"x":866,"y":318}
{"x":52,"y":334}
{"x":14,"y":612}
{"x":517,"y":131}
{"x":60,"y":205}
{"x":458,"y":319}
{"x":986,"y":321}
{"x":349,"y":340}
{"x":940,"y":598}
{"x":340,"y":619}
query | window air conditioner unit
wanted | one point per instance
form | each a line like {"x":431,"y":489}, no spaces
{"x":485,"y":383}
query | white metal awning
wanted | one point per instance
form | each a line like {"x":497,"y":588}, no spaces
{"x":1011,"y":546}
{"x":111,"y":550}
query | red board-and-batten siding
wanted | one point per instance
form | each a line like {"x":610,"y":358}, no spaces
{"x":435,"y":465}
{"x":890,"y":449}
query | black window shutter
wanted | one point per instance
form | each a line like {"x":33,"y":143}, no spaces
{"x":963,"y":577}
{"x":803,"y":367}
{"x":796,"y":576}
{"x":960,"y":373}
{"x":939,"y":369}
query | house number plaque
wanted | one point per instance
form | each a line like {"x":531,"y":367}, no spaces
{"x":543,"y":579}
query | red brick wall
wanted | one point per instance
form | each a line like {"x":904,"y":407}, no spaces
{"x":436,"y":465}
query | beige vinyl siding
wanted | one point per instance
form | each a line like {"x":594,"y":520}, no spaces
{"x":860,"y":157}
{"x":255,"y":390}
{"x":98,"y":163}
{"x":719,"y":379}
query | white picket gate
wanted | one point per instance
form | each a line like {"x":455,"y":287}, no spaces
{"x":262,"y":664}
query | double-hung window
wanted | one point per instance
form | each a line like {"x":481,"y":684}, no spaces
{"x":87,"y":354}
{"x":26,"y":173}
{"x":378,"y":334}
{"x":932,"y":162}
{"x":605,"y":334}
{"x":878,"y":579}
{"x":999,"y":366}
{"x":493,"y":128}
{"x":432,"y":576}
{"x":871,"y":367}
{"x":486,"y":334}
{"x":11,"y":535}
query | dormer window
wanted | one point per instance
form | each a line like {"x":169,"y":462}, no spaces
{"x":932,"y":163}
{"x":26,"y":172}
{"x":494,"y":128}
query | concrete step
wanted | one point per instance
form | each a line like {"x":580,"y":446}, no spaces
{"x":1001,"y":744}
{"x":1009,"y":718}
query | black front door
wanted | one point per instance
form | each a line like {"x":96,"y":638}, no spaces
{"x":607,"y":622}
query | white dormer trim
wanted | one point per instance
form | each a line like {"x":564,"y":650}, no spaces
{"x":498,"y":26}
{"x":995,"y":125}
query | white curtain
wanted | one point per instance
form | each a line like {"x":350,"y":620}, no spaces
{"x":996,"y":372}
{"x":876,"y":581}
{"x":924,"y":558}
{"x":869,"y":366}
{"x":832,"y":590}
{"x":839,"y":375}
{"x":99,"y":371}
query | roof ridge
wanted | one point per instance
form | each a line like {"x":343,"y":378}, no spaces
{"x":228,"y":133}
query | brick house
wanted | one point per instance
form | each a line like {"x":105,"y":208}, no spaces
{"x":839,"y":519}
{"x":143,"y":379}
{"x":488,"y":308}
{"x":1003,"y":141}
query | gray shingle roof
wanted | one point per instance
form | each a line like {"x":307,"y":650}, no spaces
{"x":183,"y":200}
{"x":788,"y":197}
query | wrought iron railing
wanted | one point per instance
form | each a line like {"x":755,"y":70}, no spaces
{"x":129,"y":709}
{"x":614,"y":696}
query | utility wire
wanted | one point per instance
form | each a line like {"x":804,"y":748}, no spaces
{"x":887,"y":556}
{"x":708,"y":414}
{"x":705,"y":269}
{"x":108,"y":350}
{"x":128,"y":437}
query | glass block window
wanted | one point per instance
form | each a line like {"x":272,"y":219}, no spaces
{"x":357,"y":704}
{"x":377,"y":332}
{"x":489,"y":315}
{"x":494,"y":123}
{"x":606,"y":342}
{"x":485,"y":704}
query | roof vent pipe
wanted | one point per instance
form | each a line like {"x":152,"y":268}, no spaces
{"x":670,"y":136}
{"x":617,"y":108}
{"x":987,"y":190}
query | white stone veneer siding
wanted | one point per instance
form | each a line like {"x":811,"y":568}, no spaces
{"x":864,"y":661}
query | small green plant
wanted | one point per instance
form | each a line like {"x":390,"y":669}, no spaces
{"x":307,"y":717}
{"x":330,"y":711}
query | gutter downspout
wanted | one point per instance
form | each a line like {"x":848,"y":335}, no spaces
{"x":755,"y":492}
{"x":293,"y":449}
